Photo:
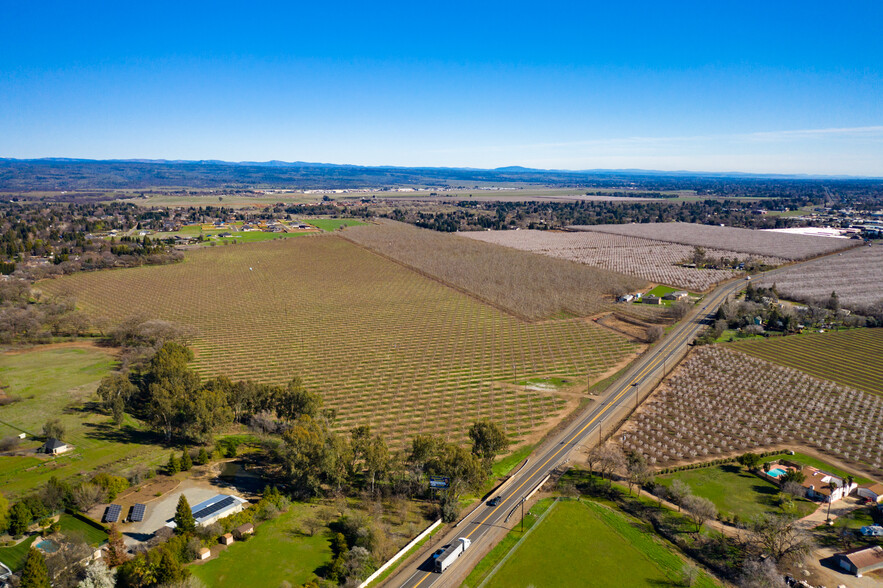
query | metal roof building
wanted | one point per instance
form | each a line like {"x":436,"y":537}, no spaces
{"x":217,"y":507}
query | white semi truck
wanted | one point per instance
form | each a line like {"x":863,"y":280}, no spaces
{"x":450,"y":554}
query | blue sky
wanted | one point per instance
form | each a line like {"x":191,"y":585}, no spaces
{"x":780,"y":87}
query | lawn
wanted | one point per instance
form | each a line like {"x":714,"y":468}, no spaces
{"x":332,"y":224}
{"x":735,"y":491}
{"x":588,"y":544}
{"x":59,"y":382}
{"x":506,"y":464}
{"x":70,"y":524}
{"x":385,"y":346}
{"x":278,"y":552}
{"x":851,"y":358}
{"x":14,"y":557}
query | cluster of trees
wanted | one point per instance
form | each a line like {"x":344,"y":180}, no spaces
{"x":313,"y":459}
{"x":40,"y":239}
{"x":700,"y":258}
{"x":759,"y":311}
{"x":475,"y":215}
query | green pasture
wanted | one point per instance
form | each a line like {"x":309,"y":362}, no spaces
{"x":332,"y":224}
{"x":735,"y":491}
{"x":587,"y":544}
{"x":60,"y":383}
{"x":278,"y":552}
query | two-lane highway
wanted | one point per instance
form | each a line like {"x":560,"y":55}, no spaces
{"x":648,"y":370}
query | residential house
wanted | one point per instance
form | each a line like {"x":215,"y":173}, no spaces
{"x":860,"y":561}
{"x":678,"y":295}
{"x":54,"y":446}
{"x":824,"y":486}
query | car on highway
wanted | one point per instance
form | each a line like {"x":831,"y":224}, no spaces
{"x":495,"y":501}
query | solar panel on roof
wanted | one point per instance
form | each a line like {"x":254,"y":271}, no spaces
{"x":112,"y":513}
{"x":213,"y":508}
{"x":136,"y":514}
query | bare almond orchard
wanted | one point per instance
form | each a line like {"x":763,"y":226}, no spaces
{"x":656,"y":261}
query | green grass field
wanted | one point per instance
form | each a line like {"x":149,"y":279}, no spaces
{"x":587,"y":544}
{"x":735,"y":491}
{"x":59,"y":383}
{"x":277,"y":553}
{"x":70,"y":525}
{"x":367,"y":333}
{"x":332,"y":224}
{"x":14,"y":557}
{"x":851,"y":358}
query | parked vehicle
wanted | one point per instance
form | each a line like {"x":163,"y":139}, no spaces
{"x":455,"y":550}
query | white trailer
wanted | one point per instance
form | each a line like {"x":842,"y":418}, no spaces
{"x":451,"y":554}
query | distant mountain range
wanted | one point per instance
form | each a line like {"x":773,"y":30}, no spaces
{"x":58,"y":173}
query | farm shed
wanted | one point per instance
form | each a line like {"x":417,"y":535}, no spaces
{"x":650,"y":299}
{"x":861,"y":561}
{"x":243,"y":530}
{"x":54,"y":447}
{"x":626,"y":298}
{"x":871,"y":491}
{"x":213,"y":509}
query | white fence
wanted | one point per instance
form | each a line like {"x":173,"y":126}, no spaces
{"x":403,"y":551}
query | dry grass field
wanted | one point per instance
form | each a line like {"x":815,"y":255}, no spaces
{"x":856,"y":275}
{"x":384,"y":345}
{"x":531,"y":286}
{"x":851,"y":358}
{"x":721,"y":401}
{"x":655,"y":261}
{"x":749,"y":241}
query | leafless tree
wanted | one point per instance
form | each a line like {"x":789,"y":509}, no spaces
{"x":779,"y":537}
{"x":699,"y":510}
{"x":761,"y":574}
{"x":678,"y":492}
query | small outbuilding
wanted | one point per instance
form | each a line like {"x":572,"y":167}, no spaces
{"x":205,"y":553}
{"x":226,"y":539}
{"x":651,"y":299}
{"x":54,"y":446}
{"x":861,"y":561}
{"x":243,"y":530}
{"x":873,"y":492}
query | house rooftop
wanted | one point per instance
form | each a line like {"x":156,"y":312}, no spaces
{"x":864,"y":557}
{"x":53,"y":443}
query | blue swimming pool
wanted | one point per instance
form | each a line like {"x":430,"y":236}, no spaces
{"x":776,"y":472}
{"x":47,"y":545}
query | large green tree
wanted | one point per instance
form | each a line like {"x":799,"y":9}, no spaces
{"x":488,"y":440}
{"x":184,"y":521}
{"x":35,"y":573}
